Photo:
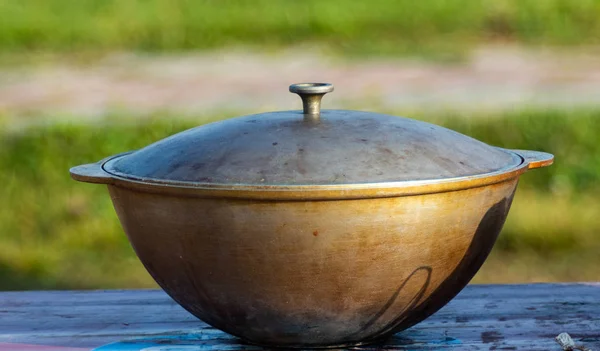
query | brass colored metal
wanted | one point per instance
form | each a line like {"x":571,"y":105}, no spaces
{"x":299,"y":251}
{"x":313,"y":273}
{"x":96,"y":173}
{"x":340,"y":148}
{"x":311,"y":95}
{"x":536,"y":159}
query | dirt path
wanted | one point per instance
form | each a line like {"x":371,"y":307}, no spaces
{"x":493,"y":78}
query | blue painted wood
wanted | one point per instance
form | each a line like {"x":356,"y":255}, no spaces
{"x":482,"y":317}
{"x":201,"y":341}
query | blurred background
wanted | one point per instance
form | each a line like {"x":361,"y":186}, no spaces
{"x":82,"y":80}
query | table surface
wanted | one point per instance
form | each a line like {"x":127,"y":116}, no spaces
{"x":482,"y":317}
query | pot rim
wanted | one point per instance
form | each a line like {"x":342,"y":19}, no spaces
{"x":525,"y":160}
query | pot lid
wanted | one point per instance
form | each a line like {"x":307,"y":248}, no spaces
{"x":312,"y":147}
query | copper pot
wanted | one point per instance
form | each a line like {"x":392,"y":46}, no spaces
{"x":313,"y":228}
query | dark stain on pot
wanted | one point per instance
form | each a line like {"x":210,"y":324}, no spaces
{"x":387,"y":329}
{"x":197,"y":166}
{"x":488,"y":337}
{"x":275,"y":144}
{"x":385,"y":150}
{"x":481,"y":245}
{"x":300,"y":161}
{"x":175,"y":166}
{"x":531,"y":308}
{"x":316,"y":233}
{"x":445,"y":163}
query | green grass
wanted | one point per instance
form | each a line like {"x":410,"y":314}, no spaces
{"x":58,"y":233}
{"x":440,"y":28}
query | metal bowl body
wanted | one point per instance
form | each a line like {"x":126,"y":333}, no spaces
{"x":313,"y":273}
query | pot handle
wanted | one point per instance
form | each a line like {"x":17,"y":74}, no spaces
{"x":311,"y":95}
{"x":536,"y":159}
{"x":91,"y":173}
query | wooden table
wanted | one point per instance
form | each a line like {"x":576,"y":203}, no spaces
{"x":482,"y":317}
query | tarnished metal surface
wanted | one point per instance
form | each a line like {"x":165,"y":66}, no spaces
{"x":313,"y":146}
{"x":315,"y":227}
{"x":311,"y":95}
{"x":314,"y":273}
{"x":341,"y":147}
{"x":94,"y":173}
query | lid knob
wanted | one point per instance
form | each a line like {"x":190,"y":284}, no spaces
{"x":311,"y":95}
